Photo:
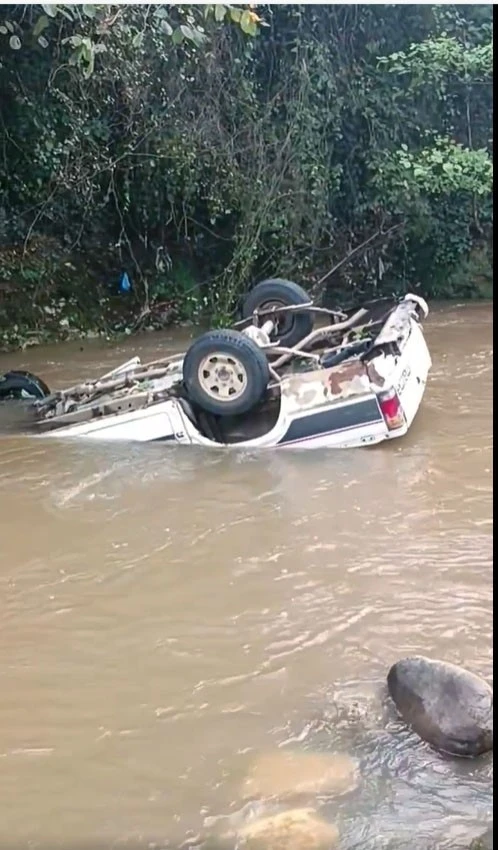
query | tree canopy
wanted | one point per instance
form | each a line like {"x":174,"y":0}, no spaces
{"x":203,"y":147}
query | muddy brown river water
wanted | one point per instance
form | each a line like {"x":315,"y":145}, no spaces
{"x":168,"y":613}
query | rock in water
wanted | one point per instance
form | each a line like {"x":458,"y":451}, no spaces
{"x":484,"y":842}
{"x":295,"y":829}
{"x":287,"y":774}
{"x":446,"y":705}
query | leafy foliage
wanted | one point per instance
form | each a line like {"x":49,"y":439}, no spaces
{"x":215,"y":144}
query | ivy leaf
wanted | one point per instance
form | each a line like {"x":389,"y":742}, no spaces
{"x":177,"y":37}
{"x":197,"y":37}
{"x":187,"y":32}
{"x":87,"y":49}
{"x":160,"y":13}
{"x":193,"y":35}
{"x":246,"y":23}
{"x":166,"y":27}
{"x":89,"y":10}
{"x":86,"y":53}
{"x":15,"y":42}
{"x":73,"y":40}
{"x":66,"y":13}
{"x":219,"y":12}
{"x":50,"y":9}
{"x":41,"y":24}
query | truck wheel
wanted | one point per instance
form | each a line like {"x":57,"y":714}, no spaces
{"x":291,"y":327}
{"x":225,"y":373}
{"x":22,"y":385}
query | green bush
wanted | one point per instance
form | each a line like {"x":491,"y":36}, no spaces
{"x":200,"y":148}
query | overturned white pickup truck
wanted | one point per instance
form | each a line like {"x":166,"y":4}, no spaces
{"x":273,"y":380}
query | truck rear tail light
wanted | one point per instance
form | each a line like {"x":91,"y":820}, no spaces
{"x":392,"y":411}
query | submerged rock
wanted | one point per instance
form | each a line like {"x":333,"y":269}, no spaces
{"x":286,"y":774}
{"x":484,"y":842}
{"x":295,"y":829}
{"x":446,"y":705}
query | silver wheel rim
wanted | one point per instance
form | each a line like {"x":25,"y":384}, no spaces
{"x":222,"y":376}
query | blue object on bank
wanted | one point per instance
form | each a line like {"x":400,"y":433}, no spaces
{"x":124,"y":284}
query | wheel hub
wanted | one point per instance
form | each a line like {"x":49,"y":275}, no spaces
{"x":222,"y":376}
{"x":282,"y":321}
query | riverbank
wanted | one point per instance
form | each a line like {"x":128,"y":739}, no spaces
{"x":50,"y":295}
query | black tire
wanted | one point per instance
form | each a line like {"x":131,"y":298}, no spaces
{"x":248,"y":384}
{"x":22,"y":386}
{"x":292,"y":327}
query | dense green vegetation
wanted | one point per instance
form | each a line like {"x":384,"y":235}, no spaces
{"x":199,"y":148}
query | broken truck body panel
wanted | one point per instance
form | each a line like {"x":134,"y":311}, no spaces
{"x":363,"y":399}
